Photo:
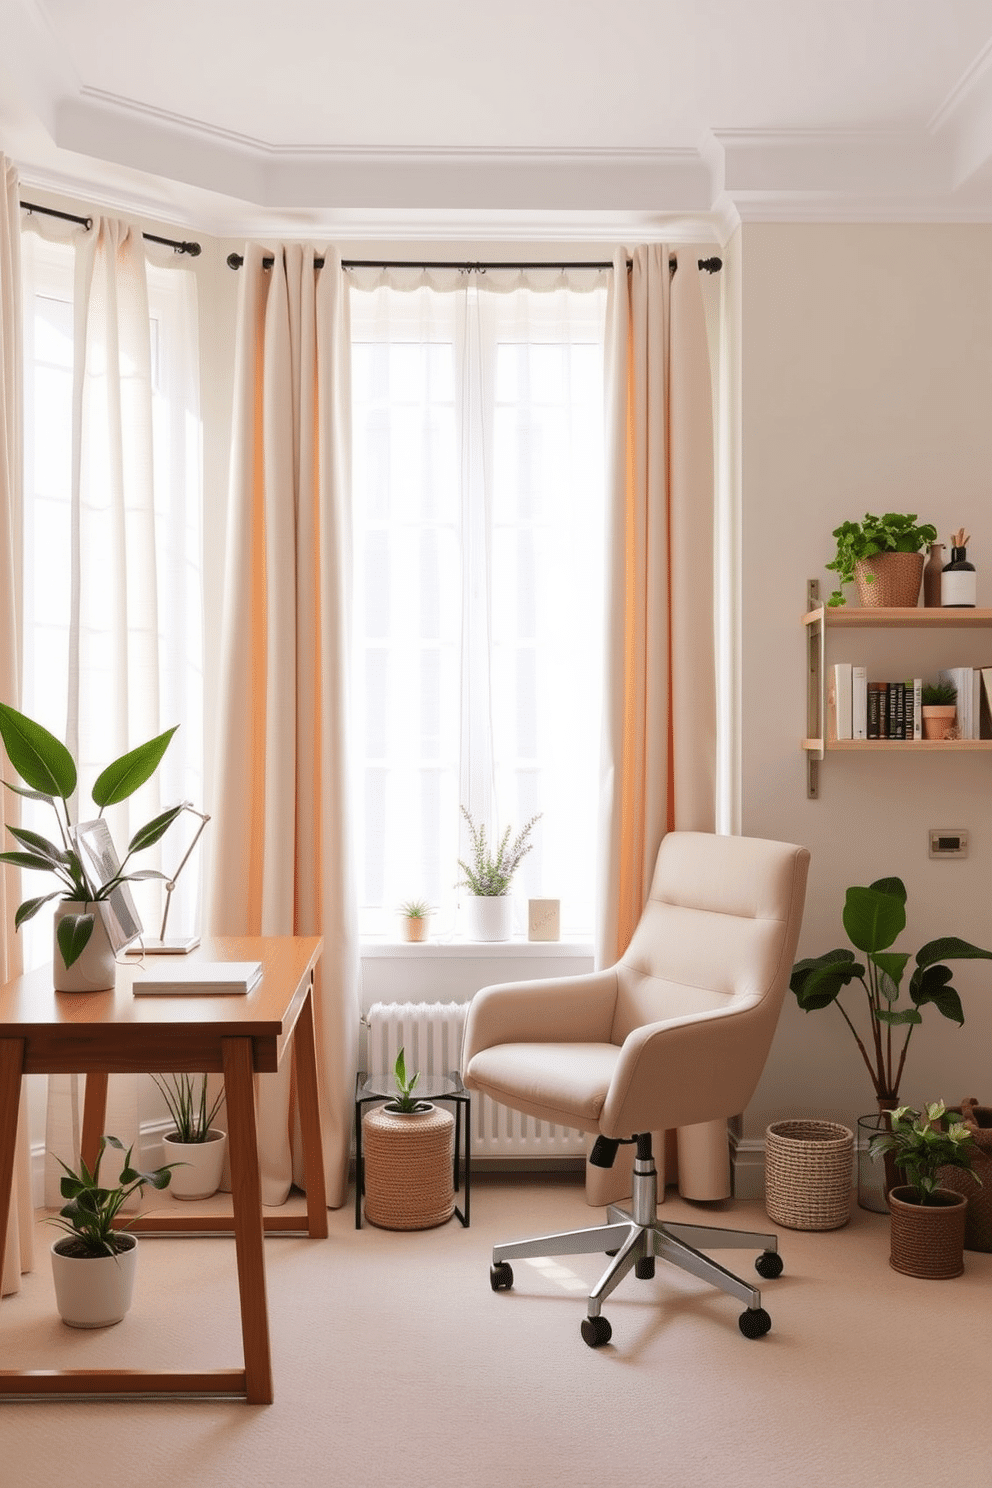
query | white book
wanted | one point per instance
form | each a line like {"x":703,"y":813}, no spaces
{"x":976,"y":703}
{"x":839,"y":700}
{"x":859,"y":702}
{"x":914,"y":719}
{"x":962,"y":684}
{"x":199,"y":978}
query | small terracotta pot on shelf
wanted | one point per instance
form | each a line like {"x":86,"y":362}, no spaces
{"x":938,"y":720}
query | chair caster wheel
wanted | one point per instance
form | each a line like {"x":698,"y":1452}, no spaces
{"x":501,"y":1276}
{"x":754,"y":1323}
{"x":769,"y":1264}
{"x":596,"y":1331}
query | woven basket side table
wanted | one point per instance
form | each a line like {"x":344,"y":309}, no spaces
{"x":808,"y":1174}
{"x":409,"y":1161}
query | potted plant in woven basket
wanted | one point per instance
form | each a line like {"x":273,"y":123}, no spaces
{"x":928,"y":1220}
{"x":408,"y":1159}
{"x":884,"y":557}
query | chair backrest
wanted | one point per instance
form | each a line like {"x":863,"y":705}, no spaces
{"x":719,"y":929}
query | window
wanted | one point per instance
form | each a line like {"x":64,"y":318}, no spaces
{"x":478,"y":500}
{"x":164,"y":666}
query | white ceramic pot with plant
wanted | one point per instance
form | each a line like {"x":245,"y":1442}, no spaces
{"x":939,"y":709}
{"x":80,"y":951}
{"x":488,"y":905}
{"x":195,"y":1147}
{"x":415,"y":920}
{"x":93,"y":1263}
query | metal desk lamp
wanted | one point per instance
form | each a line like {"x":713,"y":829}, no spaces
{"x":176,"y":945}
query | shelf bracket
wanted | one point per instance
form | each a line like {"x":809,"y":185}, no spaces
{"x":815,"y":688}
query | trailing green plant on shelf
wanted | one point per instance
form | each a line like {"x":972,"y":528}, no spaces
{"x":492,"y":869}
{"x":874,"y":917}
{"x":923,"y":1142}
{"x":88,"y":1217}
{"x":49,"y":774}
{"x":188,"y":1106}
{"x":894,"y":532}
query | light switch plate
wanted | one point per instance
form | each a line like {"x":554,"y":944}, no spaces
{"x":948,"y":842}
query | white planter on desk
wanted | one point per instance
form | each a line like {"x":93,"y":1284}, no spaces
{"x":488,"y":916}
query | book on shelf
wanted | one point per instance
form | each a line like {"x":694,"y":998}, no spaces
{"x":859,"y":702}
{"x":914,"y":725}
{"x":985,"y":703}
{"x":200,"y":978}
{"x":876,"y":694}
{"x":839,"y":700}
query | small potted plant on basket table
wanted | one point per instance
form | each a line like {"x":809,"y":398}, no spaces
{"x":488,"y":878}
{"x":408,"y":1159}
{"x":883,"y":556}
{"x":83,"y":956}
{"x":93,"y":1264}
{"x":196,"y":1144}
{"x":415,"y":918}
{"x":928,"y":1221}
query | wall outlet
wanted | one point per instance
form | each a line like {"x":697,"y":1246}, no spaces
{"x":948,"y":842}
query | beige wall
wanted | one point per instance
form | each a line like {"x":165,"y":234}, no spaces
{"x":865,"y":385}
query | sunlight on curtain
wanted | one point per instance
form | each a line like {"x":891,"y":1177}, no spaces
{"x":478,"y":498}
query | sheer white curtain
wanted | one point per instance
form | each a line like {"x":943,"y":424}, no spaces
{"x":16,"y":1254}
{"x":478,"y":498}
{"x":112,"y":595}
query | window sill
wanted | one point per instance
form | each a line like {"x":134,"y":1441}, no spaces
{"x":374,"y":947}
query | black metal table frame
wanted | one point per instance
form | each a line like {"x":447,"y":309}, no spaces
{"x":458,"y":1097}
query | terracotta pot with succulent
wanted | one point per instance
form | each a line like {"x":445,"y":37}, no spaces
{"x":883,"y":556}
{"x":939,"y":700}
{"x":83,"y":956}
{"x":415,"y":919}
{"x":488,"y":879}
{"x":93,"y":1264}
{"x":196,"y":1146}
{"x":928,"y":1221}
{"x":874,"y":917}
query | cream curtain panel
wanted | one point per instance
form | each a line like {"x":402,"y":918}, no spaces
{"x":659,"y":741}
{"x":18,"y":1251}
{"x":282,"y":850}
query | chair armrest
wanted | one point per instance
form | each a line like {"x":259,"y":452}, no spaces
{"x":688,"y":1070}
{"x":539,"y":1011}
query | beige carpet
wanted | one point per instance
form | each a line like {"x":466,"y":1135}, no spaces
{"x":396,"y":1364}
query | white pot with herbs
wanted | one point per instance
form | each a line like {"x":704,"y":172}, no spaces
{"x":195,"y":1147}
{"x":83,"y":953}
{"x":488,"y":904}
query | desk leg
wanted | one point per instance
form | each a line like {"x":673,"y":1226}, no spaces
{"x":305,"y":1050}
{"x":246,"y":1190}
{"x":11,"y":1065}
{"x":94,"y":1116}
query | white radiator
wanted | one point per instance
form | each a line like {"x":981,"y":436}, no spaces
{"x":430,"y":1035}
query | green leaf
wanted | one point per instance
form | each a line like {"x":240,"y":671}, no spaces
{"x":892,"y":964}
{"x":873,"y":919}
{"x":73,"y":935}
{"x":41,"y":760}
{"x":38,"y":844}
{"x":949,"y":948}
{"x":26,"y":860}
{"x":893,"y":886}
{"x":907,"y":1015}
{"x":122,"y":778}
{"x":30,"y":908}
{"x":29,"y":795}
{"x":148,"y":835}
{"x":818,"y":980}
{"x":934,"y":985}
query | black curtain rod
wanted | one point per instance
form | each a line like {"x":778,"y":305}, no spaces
{"x":193,"y":249}
{"x":235,"y":260}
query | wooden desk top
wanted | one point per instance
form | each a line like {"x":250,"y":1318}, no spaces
{"x":67,"y":1032}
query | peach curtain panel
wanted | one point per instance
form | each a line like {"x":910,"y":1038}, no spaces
{"x":282,"y":849}
{"x":18,"y":1255}
{"x":659,"y":743}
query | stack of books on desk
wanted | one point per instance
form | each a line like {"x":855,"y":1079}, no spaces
{"x":200,"y":978}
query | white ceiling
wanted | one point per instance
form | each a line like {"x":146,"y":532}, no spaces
{"x":577,"y":117}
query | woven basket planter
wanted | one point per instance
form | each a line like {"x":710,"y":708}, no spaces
{"x":976,"y":1186}
{"x":927,"y":1240}
{"x":895,"y":581}
{"x":409,"y":1168}
{"x":808,"y":1174}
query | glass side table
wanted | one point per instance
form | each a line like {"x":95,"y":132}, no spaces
{"x":447,"y":1088}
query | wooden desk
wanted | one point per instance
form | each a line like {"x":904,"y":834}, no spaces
{"x":101,"y":1033}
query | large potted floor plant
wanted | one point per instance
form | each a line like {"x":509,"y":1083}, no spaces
{"x":928,"y":1221}
{"x":881,"y":1020}
{"x":488,"y":877}
{"x":93,"y":1263}
{"x":83,"y":955}
{"x":195,"y":1147}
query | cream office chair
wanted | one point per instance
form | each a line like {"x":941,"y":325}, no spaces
{"x":677,"y":1032}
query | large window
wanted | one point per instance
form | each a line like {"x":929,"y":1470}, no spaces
{"x":478,"y":498}
{"x":153,"y":675}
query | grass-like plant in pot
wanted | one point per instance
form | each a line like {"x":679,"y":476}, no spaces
{"x":195,"y":1142}
{"x":416,"y":915}
{"x":893,"y":532}
{"x":49,"y":774}
{"x":93,"y":1262}
{"x":874,"y":917}
{"x":939,"y":706}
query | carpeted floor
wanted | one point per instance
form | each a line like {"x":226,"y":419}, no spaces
{"x":395,"y":1363}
